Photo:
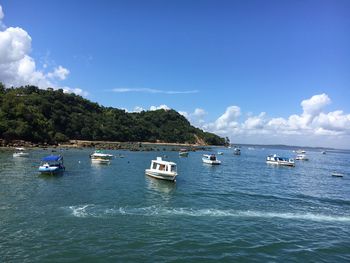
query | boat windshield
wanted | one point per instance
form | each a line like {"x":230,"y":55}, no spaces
{"x":213,"y":158}
{"x":173,"y":168}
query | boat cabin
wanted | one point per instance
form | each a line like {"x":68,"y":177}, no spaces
{"x":161,"y":165}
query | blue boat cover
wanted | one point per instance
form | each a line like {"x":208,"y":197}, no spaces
{"x":52,"y":158}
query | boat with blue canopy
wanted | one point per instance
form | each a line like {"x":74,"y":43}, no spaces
{"x":52,"y":164}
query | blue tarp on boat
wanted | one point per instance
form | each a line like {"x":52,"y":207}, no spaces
{"x":52,"y":158}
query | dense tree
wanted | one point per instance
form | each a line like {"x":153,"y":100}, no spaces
{"x":51,"y":116}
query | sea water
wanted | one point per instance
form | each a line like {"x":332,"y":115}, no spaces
{"x":241,"y":211}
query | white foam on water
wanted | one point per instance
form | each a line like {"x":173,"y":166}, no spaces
{"x":93,"y":211}
{"x":79,"y":211}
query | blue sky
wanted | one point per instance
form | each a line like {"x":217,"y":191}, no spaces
{"x":260,"y":56}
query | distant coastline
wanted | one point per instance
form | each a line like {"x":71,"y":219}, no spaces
{"x":294,"y":147}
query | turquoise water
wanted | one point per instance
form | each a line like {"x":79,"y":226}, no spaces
{"x":242,"y":211}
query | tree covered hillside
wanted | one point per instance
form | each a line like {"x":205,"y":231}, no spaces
{"x":32,"y":114}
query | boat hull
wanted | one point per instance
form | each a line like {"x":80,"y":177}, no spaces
{"x":337,"y":175}
{"x":51,"y":170}
{"x":281,"y":163}
{"x":162,"y":176}
{"x":211,"y":162}
{"x":183,"y":154}
{"x":100,"y":161}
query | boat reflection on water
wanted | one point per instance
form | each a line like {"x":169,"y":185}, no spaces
{"x":161,"y":186}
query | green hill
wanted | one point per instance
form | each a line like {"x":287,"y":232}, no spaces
{"x":52,"y":116}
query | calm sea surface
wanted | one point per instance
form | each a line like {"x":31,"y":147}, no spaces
{"x":243,"y":210}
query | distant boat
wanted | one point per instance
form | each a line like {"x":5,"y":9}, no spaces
{"x":220,"y":153}
{"x":161,"y":169}
{"x":323,"y":152}
{"x":20,"y":152}
{"x":301,"y":157}
{"x":52,"y":164}
{"x":100,"y":157}
{"x":335,"y":174}
{"x":300,"y":151}
{"x":236,"y":151}
{"x":210,"y":159}
{"x":183,"y":153}
{"x":274,"y":159}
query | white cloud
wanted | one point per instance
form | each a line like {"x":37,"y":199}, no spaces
{"x":138,"y":109}
{"x":228,"y":121}
{"x":18,"y":68}
{"x":160,"y":107}
{"x":184,"y":113}
{"x":199,"y":113}
{"x":255,"y":122}
{"x":76,"y":91}
{"x":312,"y":127}
{"x":315,"y":104}
{"x":59,"y":72}
{"x":147,"y":90}
{"x":196,"y":117}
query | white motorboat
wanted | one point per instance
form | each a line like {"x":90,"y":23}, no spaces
{"x":301,"y":157}
{"x":300,"y":151}
{"x":236,"y":151}
{"x":161,"y":169}
{"x":274,"y":159}
{"x":101,"y":157}
{"x":52,"y":164}
{"x":210,"y":159}
{"x":20,"y":152}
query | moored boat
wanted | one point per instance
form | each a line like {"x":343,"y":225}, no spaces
{"x":274,"y":159}
{"x":161,"y":169}
{"x":183,"y":153}
{"x":301,"y":157}
{"x":335,"y":174}
{"x":237,"y":151}
{"x":52,"y":164}
{"x":100,"y":157}
{"x":20,"y":152}
{"x":210,"y":159}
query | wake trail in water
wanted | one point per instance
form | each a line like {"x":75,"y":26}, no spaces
{"x":96,"y":211}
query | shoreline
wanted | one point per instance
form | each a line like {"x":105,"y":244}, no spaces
{"x":110,"y":145}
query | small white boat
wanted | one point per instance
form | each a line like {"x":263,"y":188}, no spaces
{"x":52,"y":164}
{"x":236,"y":151}
{"x":100,"y":157}
{"x":323,"y":152}
{"x":210,"y":159}
{"x":301,"y":157}
{"x":220,"y":153}
{"x":161,"y":169}
{"x":274,"y":159}
{"x":20,"y":152}
{"x":300,"y":151}
{"x":335,"y":174}
{"x":183,"y":153}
